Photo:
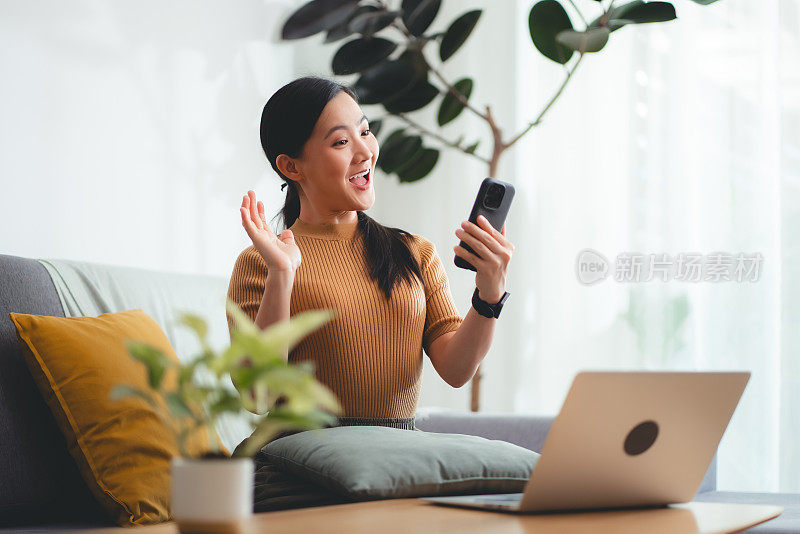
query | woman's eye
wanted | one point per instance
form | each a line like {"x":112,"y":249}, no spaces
{"x":367,"y":131}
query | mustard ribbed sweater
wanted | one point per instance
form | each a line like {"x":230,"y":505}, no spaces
{"x":370,"y":354}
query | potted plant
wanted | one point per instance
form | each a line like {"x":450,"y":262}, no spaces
{"x":215,"y":490}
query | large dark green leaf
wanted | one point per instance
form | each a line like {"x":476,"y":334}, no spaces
{"x":418,"y":96}
{"x":360,"y":54}
{"x":369,"y":23}
{"x":452,"y":106}
{"x":619,"y":11}
{"x":421,"y":166}
{"x":396,"y":154}
{"x":389,"y":146}
{"x":375,"y":126}
{"x":457,"y":33}
{"x":382,"y":82}
{"x":317,"y":16}
{"x":546,"y":20}
{"x":416,"y":60}
{"x":589,"y":41}
{"x":650,"y":12}
{"x":342,"y":30}
{"x":419,"y":14}
{"x":636,"y":12}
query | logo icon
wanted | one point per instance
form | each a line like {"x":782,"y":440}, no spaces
{"x":591,"y":267}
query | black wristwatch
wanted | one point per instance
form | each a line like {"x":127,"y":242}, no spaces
{"x":486,"y":309}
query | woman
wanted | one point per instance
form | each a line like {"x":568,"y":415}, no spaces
{"x":388,"y":287}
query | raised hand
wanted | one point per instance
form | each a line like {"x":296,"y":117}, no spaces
{"x":279,"y":252}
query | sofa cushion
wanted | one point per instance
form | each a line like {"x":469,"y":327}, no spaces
{"x":40,"y":482}
{"x":121,"y":447}
{"x":378,"y":462}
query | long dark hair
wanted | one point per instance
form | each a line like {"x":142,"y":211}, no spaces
{"x":287,"y":121}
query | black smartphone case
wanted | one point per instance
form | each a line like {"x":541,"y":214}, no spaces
{"x":495,"y":216}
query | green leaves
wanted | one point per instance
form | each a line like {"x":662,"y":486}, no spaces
{"x":545,"y":21}
{"x":553,"y":35}
{"x":342,"y":30}
{"x":154,"y":360}
{"x":406,"y":156}
{"x":588,"y":41}
{"x":375,"y":126}
{"x":317,"y":16}
{"x":636,"y":12}
{"x":360,"y":54}
{"x":649,"y":12}
{"x":418,"y":96}
{"x":419,"y":14}
{"x":457,"y":33}
{"x":451,"y":106}
{"x":420,"y":167}
{"x":403,"y":84}
{"x":398,"y":149}
{"x":254,"y":361}
{"x":124,"y":391}
{"x":384,"y":81}
{"x":369,"y":23}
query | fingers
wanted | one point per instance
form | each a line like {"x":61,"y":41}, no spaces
{"x":469,"y":256}
{"x":254,"y":209}
{"x":253,"y":216}
{"x":491,"y":231}
{"x":481,"y":234}
{"x":261,"y":214}
{"x":246,"y":222}
{"x":476,"y":244}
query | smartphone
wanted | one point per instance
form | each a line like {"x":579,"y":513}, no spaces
{"x":493,"y":202}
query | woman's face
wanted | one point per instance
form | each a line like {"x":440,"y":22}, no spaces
{"x":340,"y":147}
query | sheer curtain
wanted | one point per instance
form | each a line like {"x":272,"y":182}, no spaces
{"x":678,"y":138}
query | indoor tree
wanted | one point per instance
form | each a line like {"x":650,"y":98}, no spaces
{"x":398,"y":60}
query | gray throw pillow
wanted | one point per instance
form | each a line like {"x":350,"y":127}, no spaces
{"x":379,"y":462}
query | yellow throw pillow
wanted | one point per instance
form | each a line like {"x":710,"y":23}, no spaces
{"x":122,"y":448}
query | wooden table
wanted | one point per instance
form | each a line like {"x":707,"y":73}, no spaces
{"x":416,"y":516}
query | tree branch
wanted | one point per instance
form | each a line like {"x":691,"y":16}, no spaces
{"x":441,"y":139}
{"x":547,"y":107}
{"x":450,"y":89}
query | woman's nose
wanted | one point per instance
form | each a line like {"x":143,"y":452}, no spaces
{"x":363,"y":153}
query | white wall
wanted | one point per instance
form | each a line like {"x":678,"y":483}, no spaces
{"x":129,"y":130}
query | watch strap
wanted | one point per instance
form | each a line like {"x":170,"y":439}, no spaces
{"x":487,"y":309}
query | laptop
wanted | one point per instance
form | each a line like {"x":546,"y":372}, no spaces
{"x":625,"y":440}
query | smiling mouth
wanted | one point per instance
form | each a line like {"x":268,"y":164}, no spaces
{"x":362,"y":181}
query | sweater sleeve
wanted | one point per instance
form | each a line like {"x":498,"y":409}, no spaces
{"x":441,"y":314}
{"x":246,"y":286}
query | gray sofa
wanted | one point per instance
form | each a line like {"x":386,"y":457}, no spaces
{"x":40,"y":487}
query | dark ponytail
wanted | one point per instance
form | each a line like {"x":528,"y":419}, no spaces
{"x":287,"y":121}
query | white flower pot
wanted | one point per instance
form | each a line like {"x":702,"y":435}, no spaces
{"x":212,"y":495}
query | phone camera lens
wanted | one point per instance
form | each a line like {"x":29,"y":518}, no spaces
{"x":493,"y":196}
